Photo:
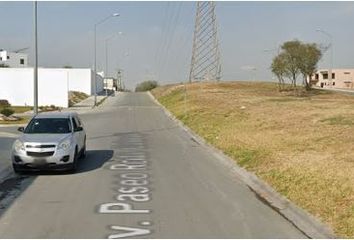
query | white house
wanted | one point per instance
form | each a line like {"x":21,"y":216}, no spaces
{"x":13,"y":59}
{"x":54,"y":84}
{"x":341,"y":78}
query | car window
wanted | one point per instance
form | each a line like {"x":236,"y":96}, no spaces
{"x":79,"y":121}
{"x":74,"y":123}
{"x":49,"y":125}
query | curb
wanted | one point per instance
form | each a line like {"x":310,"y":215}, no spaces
{"x":13,"y":125}
{"x":301,"y":219}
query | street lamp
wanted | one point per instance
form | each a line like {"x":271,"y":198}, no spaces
{"x":331,"y":56}
{"x":272,"y":50}
{"x":95,"y":40}
{"x":267,"y":50}
{"x":119,"y":70}
{"x":106,"y":48}
{"x":35,"y":68}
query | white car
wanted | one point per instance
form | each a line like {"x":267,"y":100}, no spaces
{"x":51,"y":141}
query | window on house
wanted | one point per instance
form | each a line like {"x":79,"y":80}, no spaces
{"x":334,"y":83}
{"x":325,"y":75}
{"x":333,"y":75}
{"x":8,"y":57}
{"x":0,"y":58}
{"x":22,"y":61}
{"x":316,"y":76}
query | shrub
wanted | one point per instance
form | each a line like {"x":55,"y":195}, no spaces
{"x":146,"y":86}
{"x":7,"y":112}
{"x":4,"y":103}
{"x":2,"y":65}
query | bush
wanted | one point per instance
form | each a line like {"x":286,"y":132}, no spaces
{"x":146,"y":86}
{"x":4,"y":103}
{"x":7,"y":112}
{"x":2,"y":65}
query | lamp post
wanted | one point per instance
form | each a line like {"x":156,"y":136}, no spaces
{"x":274,"y":51}
{"x":106,"y":50}
{"x":331,"y":56}
{"x":95,"y":62}
{"x":35,"y":69}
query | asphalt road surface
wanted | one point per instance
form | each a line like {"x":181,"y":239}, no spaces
{"x":144,"y":177}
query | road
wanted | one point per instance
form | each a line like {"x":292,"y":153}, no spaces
{"x":144,"y":177}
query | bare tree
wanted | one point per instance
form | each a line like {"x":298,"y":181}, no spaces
{"x":296,"y":58}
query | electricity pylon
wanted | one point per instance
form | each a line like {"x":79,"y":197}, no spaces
{"x":205,"y":63}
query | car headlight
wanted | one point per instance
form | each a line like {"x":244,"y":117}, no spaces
{"x":65,"y":145}
{"x":19,"y":146}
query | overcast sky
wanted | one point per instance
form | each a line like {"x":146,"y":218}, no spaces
{"x":157,"y":36}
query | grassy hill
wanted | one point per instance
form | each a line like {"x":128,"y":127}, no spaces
{"x":302,"y":144}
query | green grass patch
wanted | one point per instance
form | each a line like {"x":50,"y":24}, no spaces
{"x":338,"y":120}
{"x":245,"y":157}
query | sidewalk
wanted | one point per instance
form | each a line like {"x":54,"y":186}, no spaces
{"x":347,"y":91}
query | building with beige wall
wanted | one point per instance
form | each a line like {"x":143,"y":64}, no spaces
{"x":341,"y":78}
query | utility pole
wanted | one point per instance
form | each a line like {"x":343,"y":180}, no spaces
{"x":35,"y":69}
{"x":95,"y":50}
{"x":331,"y":56}
{"x":206,"y":62}
{"x":119,"y":79}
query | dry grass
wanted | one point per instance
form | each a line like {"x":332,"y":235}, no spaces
{"x":76,"y":97}
{"x":19,"y":109}
{"x":302,"y":145}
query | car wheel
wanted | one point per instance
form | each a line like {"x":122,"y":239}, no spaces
{"x":83,"y":151}
{"x":16,"y":169}
{"x":75,"y":162}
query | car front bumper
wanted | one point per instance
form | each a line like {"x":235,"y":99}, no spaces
{"x":60,"y":160}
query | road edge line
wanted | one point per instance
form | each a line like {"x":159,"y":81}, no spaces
{"x":300,"y":218}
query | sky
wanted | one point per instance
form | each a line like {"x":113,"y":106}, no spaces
{"x":156,"y":39}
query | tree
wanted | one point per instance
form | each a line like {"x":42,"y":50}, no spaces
{"x":296,"y":58}
{"x":278,"y":67}
{"x":311,"y":55}
{"x":292,"y":52}
{"x":146,"y":86}
{"x":7,"y":112}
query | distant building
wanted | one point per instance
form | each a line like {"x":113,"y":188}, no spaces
{"x":13,"y":59}
{"x":341,"y":78}
{"x":110,"y":83}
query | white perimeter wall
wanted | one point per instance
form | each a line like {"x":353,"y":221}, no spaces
{"x":16,"y":85}
{"x":82,"y":80}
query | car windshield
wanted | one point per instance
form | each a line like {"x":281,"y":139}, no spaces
{"x":49,"y":125}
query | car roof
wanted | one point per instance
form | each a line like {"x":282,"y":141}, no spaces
{"x":55,"y":115}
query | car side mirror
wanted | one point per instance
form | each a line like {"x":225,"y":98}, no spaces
{"x":21,"y":129}
{"x":78,"y":129}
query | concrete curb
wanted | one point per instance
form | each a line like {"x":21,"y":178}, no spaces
{"x":13,"y":125}
{"x":301,"y":219}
